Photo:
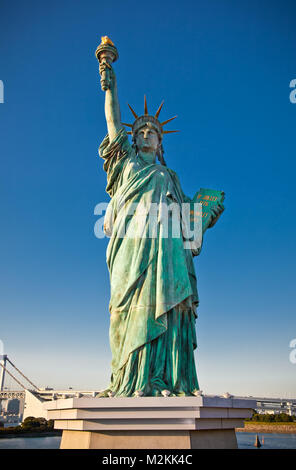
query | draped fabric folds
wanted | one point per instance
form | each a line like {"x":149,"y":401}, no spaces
{"x":153,"y":284}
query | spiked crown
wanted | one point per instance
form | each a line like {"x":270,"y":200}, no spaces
{"x":147,"y":119}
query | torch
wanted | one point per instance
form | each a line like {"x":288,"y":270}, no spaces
{"x":106,"y":52}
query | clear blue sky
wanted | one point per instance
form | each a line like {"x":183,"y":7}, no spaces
{"x":224,"y":67}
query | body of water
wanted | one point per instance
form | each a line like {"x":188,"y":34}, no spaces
{"x":48,"y":442}
{"x":245,"y":441}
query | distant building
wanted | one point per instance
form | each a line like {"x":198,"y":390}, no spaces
{"x":13,"y":406}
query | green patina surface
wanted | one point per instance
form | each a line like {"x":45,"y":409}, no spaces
{"x":153,"y":283}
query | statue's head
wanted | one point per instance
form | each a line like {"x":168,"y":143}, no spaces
{"x":147,"y":138}
{"x":147,"y":131}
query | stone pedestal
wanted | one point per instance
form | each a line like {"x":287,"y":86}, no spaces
{"x":204,"y":422}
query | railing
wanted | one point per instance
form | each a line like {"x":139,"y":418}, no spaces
{"x":10,"y":394}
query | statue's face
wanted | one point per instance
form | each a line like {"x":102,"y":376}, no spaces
{"x":147,"y":139}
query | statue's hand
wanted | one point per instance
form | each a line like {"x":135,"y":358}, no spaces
{"x":107,"y":76}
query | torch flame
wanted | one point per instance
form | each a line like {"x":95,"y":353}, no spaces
{"x":106,"y":40}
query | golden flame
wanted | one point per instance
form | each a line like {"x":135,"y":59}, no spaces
{"x":106,"y":40}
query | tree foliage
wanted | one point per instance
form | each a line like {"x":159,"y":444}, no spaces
{"x":272,"y":418}
{"x":37,"y":424}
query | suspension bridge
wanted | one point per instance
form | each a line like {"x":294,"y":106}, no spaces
{"x":46,"y":393}
{"x":30,"y":395}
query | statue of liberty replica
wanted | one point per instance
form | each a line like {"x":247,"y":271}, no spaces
{"x":153,"y":283}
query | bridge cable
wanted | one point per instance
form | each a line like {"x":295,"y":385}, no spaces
{"x":12,"y":376}
{"x":37,"y":388}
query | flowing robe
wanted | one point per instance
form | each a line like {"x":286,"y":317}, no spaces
{"x":153,"y":282}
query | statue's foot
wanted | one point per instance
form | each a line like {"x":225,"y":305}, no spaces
{"x":138,"y":393}
{"x":165,"y":393}
{"x":197,"y":393}
{"x":105,"y":394}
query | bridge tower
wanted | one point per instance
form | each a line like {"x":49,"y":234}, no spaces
{"x":3,"y":359}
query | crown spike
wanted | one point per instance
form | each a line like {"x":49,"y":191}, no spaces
{"x":135,"y":116}
{"x":169,"y":132}
{"x":145,"y":106}
{"x":168,"y":120}
{"x":126,"y":124}
{"x":159,"y":109}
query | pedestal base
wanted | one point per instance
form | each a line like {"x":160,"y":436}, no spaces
{"x":211,"y":439}
{"x":204,"y":422}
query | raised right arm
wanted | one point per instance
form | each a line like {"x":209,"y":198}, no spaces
{"x":112,"y":108}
